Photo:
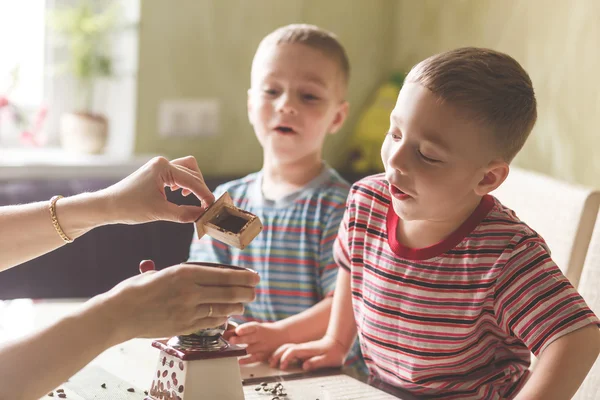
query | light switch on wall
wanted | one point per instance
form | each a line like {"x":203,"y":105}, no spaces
{"x":189,"y":117}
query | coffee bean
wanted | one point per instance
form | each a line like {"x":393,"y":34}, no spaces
{"x":51,"y":394}
{"x":62,"y":395}
{"x":131,"y":390}
{"x":146,"y":392}
{"x":180,"y":388}
{"x":171,"y":364}
{"x":181,"y":365}
{"x":257,"y":388}
{"x":164,"y":360}
{"x":103,"y":386}
{"x":60,"y":390}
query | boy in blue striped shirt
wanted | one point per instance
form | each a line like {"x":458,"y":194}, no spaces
{"x":299,"y":80}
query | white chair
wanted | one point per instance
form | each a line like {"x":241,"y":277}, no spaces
{"x":562,"y":213}
{"x":589,"y":286}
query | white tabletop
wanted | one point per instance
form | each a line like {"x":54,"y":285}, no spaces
{"x":131,"y":365}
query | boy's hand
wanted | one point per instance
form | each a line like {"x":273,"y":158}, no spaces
{"x":262,"y":339}
{"x":326,"y":352}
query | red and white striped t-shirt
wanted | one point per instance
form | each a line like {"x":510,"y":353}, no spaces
{"x":456,"y":320}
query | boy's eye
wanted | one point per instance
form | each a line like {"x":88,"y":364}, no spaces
{"x":395,"y":135}
{"x":309,"y":97}
{"x":428,"y":159}
{"x":270,"y":92}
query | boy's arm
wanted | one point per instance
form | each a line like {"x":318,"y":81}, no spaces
{"x":310,"y":324}
{"x":342,"y":326}
{"x":331,"y":350}
{"x":536,"y":303}
{"x":563,"y":366}
{"x":263,"y":338}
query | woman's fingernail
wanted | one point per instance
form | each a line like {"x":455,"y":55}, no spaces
{"x":147,"y":265}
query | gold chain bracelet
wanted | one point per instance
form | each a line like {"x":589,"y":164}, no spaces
{"x":52,"y":208}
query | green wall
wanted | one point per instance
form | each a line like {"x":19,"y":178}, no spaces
{"x":556,"y":41}
{"x":204,"y":48}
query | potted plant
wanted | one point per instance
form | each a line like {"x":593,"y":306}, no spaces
{"x":86,"y":33}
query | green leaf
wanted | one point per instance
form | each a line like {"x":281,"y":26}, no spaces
{"x":87,"y":33}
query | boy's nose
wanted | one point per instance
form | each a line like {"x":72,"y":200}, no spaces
{"x":286,"y":105}
{"x":399,"y":159}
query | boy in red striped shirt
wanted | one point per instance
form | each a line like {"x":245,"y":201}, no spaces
{"x":448,"y":290}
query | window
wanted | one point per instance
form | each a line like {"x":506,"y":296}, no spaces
{"x":22,"y":36}
{"x":33,"y":53}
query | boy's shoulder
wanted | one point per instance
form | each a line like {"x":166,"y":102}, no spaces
{"x":503,"y":221}
{"x":373,"y":186}
{"x":333,"y":182}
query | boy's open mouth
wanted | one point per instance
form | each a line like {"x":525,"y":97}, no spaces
{"x":398,"y":194}
{"x":285,"y":130}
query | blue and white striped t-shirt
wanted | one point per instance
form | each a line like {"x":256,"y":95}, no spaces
{"x":294,"y":253}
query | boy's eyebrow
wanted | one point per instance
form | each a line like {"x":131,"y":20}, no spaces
{"x":312,"y":78}
{"x":316,"y":79}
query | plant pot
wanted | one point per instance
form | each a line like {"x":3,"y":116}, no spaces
{"x":82,"y":132}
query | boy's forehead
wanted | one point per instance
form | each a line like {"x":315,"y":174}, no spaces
{"x":420,"y":105}
{"x":434,"y":120}
{"x":297,"y":61}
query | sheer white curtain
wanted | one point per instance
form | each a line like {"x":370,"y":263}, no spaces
{"x":22,"y":41}
{"x":27,"y":44}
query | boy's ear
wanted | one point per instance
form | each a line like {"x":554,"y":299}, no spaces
{"x":495,"y":173}
{"x":340,"y":117}
{"x":249,"y":104}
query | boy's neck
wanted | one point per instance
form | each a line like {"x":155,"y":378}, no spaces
{"x":418,"y":234}
{"x":282,"y":179}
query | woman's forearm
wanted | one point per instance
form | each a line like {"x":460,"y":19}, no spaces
{"x":34,"y":365}
{"x":27,"y":231}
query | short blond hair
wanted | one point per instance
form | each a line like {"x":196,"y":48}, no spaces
{"x":491,"y":87}
{"x":313,"y":37}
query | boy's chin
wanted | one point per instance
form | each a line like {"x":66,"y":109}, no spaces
{"x":406,"y":211}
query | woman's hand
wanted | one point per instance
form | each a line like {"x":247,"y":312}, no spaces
{"x":141,"y":197}
{"x":177,"y":300}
